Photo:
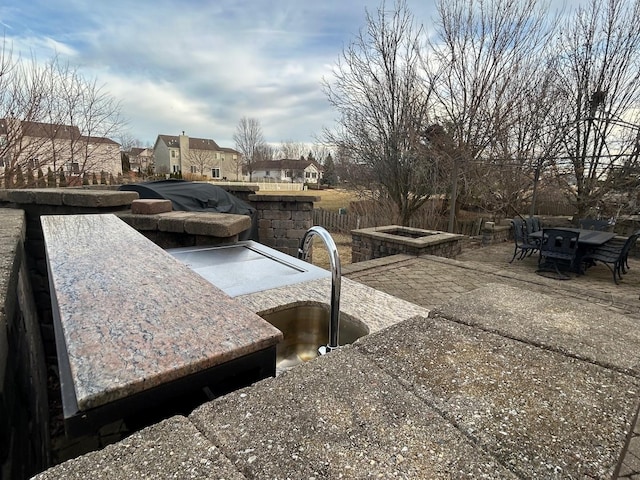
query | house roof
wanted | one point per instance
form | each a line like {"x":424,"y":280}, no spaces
{"x":140,"y":152}
{"x":229,"y":150}
{"x":194,"y":143}
{"x":53,"y":131}
{"x":100,"y":140}
{"x":285,"y":164}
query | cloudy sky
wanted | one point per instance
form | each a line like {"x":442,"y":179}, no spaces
{"x":198,"y":65}
{"x":201,"y":65}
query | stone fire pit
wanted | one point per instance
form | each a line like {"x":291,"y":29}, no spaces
{"x":377,"y":242}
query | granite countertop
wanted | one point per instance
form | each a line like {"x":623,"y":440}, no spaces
{"x":376,"y":309}
{"x":129,"y":317}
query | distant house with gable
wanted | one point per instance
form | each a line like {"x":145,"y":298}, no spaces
{"x":38,"y":145}
{"x":287,"y":170}
{"x":141,"y":160}
{"x":198,"y":156}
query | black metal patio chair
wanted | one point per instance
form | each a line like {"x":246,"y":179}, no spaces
{"x":537,"y":225}
{"x":558,"y":249}
{"x":523,"y":246}
{"x":532,"y":225}
{"x":614,"y":254}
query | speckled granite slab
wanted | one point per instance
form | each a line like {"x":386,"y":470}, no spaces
{"x":130,"y":317}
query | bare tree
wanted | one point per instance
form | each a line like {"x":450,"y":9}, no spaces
{"x":80,"y":102}
{"x":381,"y":102}
{"x":292,"y":150}
{"x":599,"y":74}
{"x":478,"y":50}
{"x":249,"y":140}
{"x":202,"y":160}
{"x":320,"y":152}
{"x":523,"y":148}
{"x":128,"y":141}
{"x":266,"y":152}
{"x":55,"y":118}
{"x":22,"y":98}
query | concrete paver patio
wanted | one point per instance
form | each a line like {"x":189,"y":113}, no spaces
{"x":432,"y":281}
{"x":429,"y":281}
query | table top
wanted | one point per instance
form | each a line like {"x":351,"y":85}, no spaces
{"x":129,"y":317}
{"x":586,"y":237}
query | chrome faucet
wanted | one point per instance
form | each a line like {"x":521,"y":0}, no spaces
{"x":336,"y":275}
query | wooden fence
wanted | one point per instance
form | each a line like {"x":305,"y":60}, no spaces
{"x":345,"y":222}
{"x":554,"y":208}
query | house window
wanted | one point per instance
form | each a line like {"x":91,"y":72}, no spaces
{"x":75,"y":167}
{"x":289,"y":174}
{"x":173,"y":154}
{"x":33,"y":163}
{"x":267,"y":173}
{"x":194,"y":169}
{"x":175,"y":169}
{"x":313,"y":174}
{"x":215,"y":172}
{"x":307,"y":175}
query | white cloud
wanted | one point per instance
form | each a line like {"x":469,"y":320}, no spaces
{"x":199,"y":66}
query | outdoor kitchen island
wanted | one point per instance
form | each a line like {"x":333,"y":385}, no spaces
{"x":139,"y":333}
{"x":477,"y":388}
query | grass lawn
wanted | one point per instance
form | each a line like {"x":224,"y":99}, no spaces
{"x":321,"y":255}
{"x":330,"y":199}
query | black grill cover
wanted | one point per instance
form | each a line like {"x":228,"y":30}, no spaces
{"x":197,"y":197}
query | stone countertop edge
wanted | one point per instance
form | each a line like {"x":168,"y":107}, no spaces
{"x":376,"y":309}
{"x":172,"y":448}
{"x":133,"y":316}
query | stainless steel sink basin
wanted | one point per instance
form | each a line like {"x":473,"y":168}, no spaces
{"x":305,"y":328}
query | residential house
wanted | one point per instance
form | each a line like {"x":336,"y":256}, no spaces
{"x":287,"y":170}
{"x":37,"y":145}
{"x":198,"y":156}
{"x":141,"y":160}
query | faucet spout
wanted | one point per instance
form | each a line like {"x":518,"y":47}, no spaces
{"x":336,"y":275}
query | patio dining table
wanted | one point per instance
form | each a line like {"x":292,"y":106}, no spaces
{"x":587,"y":240}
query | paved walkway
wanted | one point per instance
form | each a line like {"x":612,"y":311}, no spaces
{"x":431,"y":281}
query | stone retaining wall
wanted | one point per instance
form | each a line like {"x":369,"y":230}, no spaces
{"x":492,"y":233}
{"x":24,"y":409}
